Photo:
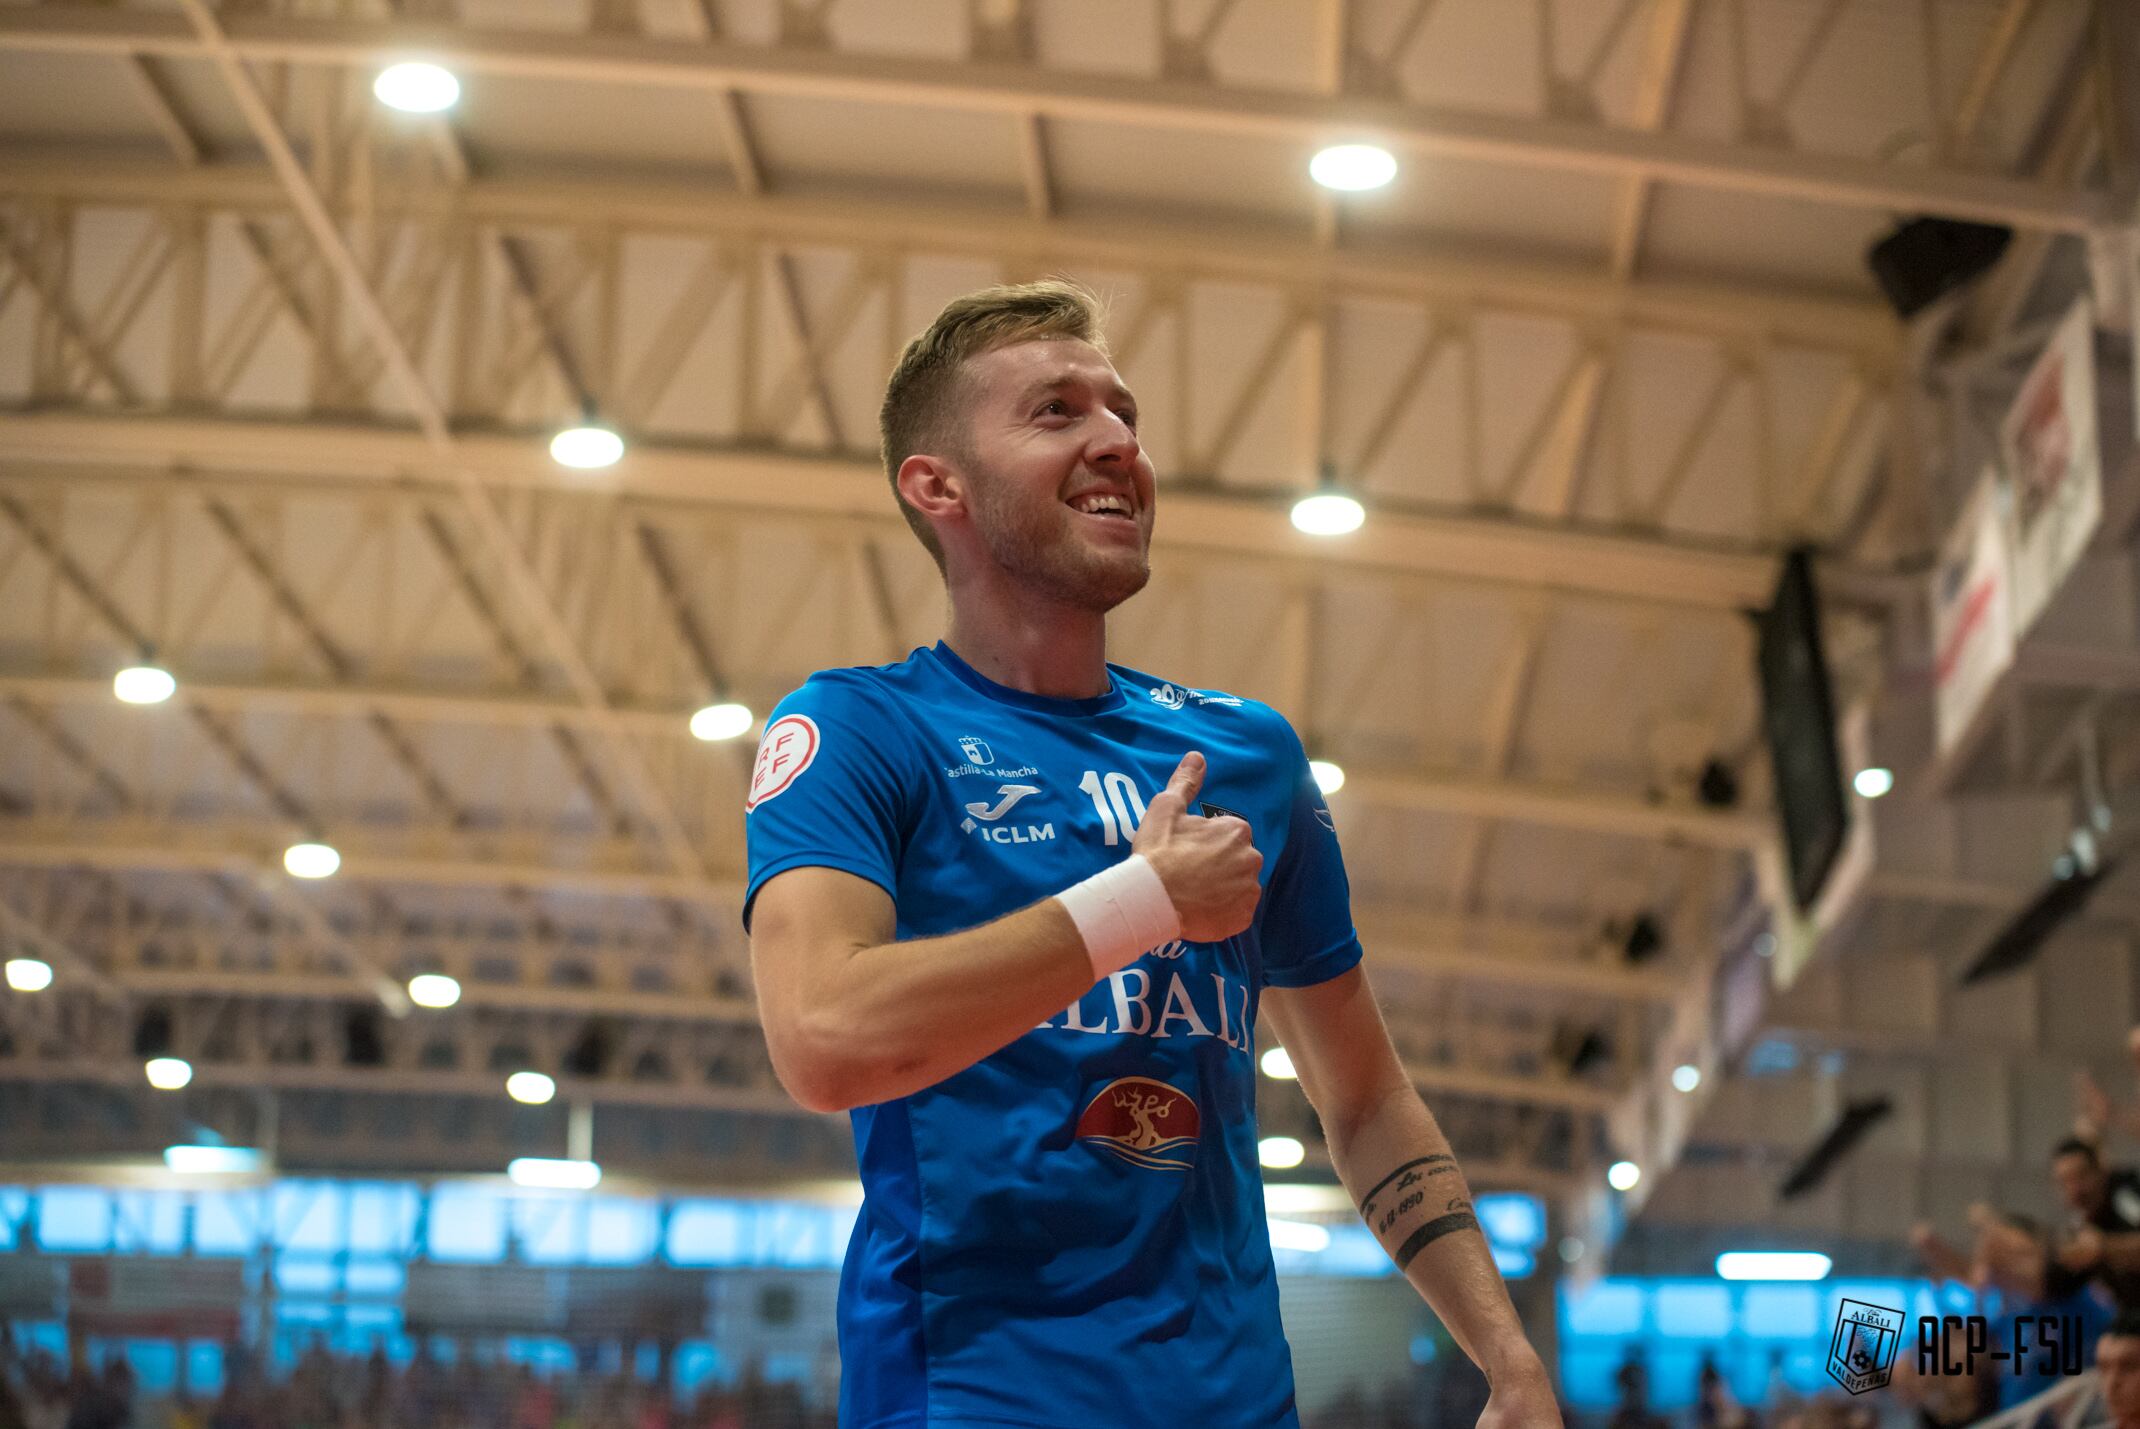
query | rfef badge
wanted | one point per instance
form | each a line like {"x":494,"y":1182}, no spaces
{"x":1861,"y":1355}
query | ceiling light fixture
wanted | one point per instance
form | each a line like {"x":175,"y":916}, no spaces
{"x":143,"y":685}
{"x":547,"y":1174}
{"x":1872,"y":783}
{"x":531,"y":1088}
{"x":434,"y":990}
{"x":1353,"y":168}
{"x":1329,"y":777}
{"x":29,"y":974}
{"x":1328,"y":513}
{"x":213,"y":1160}
{"x":1278,"y":1065}
{"x":1299,"y":1235}
{"x":587,"y":447}
{"x":722,"y":721}
{"x":311,"y":860}
{"x":167,"y":1074}
{"x":1280,"y":1153}
{"x":1773,"y":1265}
{"x":417,"y":87}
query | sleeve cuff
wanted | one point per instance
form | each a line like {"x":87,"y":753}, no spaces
{"x":845,"y":863}
{"x":1340,"y":958}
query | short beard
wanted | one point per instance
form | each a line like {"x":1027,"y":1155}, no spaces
{"x":1023,"y":543}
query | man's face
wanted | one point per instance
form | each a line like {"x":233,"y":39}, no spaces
{"x":1061,"y":490}
{"x":2080,"y":1182}
{"x":2117,"y":1359}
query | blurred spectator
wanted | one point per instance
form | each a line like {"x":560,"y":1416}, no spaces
{"x":2117,"y":1361}
{"x":2103,"y":1244}
{"x":480,"y":1390}
{"x":1714,"y":1407}
{"x":1633,"y":1412}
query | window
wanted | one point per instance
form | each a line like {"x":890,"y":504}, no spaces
{"x":75,"y":1218}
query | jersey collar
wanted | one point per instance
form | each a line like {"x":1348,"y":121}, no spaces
{"x":949,"y":659}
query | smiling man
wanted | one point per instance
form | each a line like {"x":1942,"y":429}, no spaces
{"x":1018,"y":911}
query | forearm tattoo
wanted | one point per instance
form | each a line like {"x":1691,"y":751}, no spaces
{"x":1406,"y":1191}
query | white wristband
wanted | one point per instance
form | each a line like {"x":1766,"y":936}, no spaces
{"x":1122,"y":913}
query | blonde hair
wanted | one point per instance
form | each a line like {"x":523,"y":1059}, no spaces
{"x":922,"y":402}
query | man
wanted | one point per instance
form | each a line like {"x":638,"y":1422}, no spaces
{"x":2117,"y":1366}
{"x":1017,"y":910}
{"x":2104,"y":1242}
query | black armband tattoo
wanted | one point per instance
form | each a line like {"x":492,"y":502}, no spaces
{"x":1433,"y":1231}
{"x":1407,"y":1176}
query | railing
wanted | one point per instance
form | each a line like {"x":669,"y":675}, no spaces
{"x":2076,"y":1404}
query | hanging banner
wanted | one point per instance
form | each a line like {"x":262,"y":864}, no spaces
{"x":2049,"y":445}
{"x":1972,"y":614}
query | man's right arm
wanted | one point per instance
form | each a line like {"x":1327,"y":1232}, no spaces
{"x":853,"y":1017}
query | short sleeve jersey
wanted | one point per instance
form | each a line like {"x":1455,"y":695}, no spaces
{"x":2118,"y":1215}
{"x":1071,"y":1231}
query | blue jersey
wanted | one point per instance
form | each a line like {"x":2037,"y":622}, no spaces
{"x":1071,"y":1231}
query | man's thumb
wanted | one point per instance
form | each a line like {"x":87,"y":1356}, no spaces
{"x":1188,"y":777}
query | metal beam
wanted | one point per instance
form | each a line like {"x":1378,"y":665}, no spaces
{"x":1487,"y":550}
{"x":289,"y":1076}
{"x":510,"y":707}
{"x":154,"y":93}
{"x":211,"y":37}
{"x":1006,"y":233}
{"x":26,"y":935}
{"x":1536,"y":1091}
{"x":1587,"y":811}
{"x":249,"y":854}
{"x":1270,"y":114}
{"x":1670,"y":24}
{"x":1472,"y":951}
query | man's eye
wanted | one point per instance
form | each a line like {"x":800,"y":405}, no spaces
{"x":1128,"y":416}
{"x":1054,"y":409}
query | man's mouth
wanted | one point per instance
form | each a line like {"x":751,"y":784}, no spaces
{"x":1103,"y":506}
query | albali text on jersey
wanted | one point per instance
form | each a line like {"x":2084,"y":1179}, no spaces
{"x":1071,"y":1231}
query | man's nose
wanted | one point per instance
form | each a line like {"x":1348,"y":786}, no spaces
{"x":1114,"y":441}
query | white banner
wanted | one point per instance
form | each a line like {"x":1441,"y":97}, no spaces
{"x":1972,"y":614}
{"x":2053,"y":462}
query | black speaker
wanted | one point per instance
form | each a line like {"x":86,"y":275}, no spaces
{"x":1644,"y":939}
{"x":363,"y":1038}
{"x":1579,"y":1049}
{"x":152,"y":1033}
{"x":1719,"y":786}
{"x":1925,"y":259}
{"x":588,"y":1056}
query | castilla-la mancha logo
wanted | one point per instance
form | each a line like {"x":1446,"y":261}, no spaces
{"x":1145,"y":1122}
{"x":1861,"y":1353}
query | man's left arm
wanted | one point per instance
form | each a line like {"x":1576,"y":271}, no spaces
{"x":1395,"y":1161}
{"x":2090,"y":1250}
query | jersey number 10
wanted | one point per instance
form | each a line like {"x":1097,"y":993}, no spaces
{"x":1120,"y":806}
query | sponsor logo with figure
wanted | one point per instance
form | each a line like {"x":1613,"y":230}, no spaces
{"x":1143,"y":1121}
{"x":981,"y":817}
{"x":1173,"y":697}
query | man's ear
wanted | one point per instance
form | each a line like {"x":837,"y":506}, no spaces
{"x":933,"y":486}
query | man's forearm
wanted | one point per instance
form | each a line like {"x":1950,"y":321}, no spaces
{"x":2121,"y":1251}
{"x":902,"y":1016}
{"x":1404,"y":1178}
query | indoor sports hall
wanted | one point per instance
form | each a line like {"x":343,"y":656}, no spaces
{"x":1674,"y":464}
